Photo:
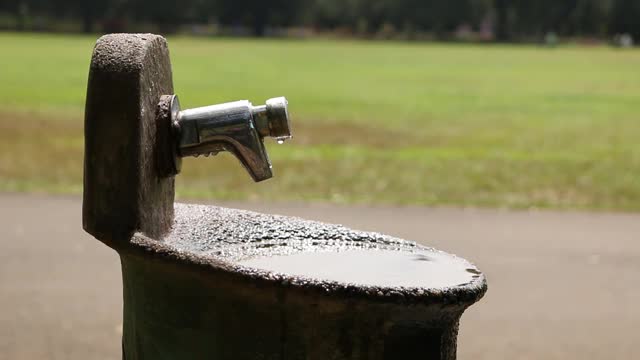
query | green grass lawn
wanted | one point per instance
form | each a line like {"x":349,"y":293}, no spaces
{"x":374,"y":122}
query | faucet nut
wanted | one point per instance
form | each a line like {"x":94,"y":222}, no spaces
{"x":278,"y":118}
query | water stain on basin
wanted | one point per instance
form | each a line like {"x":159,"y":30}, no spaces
{"x":380,"y":268}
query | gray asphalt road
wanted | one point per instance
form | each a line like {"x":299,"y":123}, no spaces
{"x":561,"y":285}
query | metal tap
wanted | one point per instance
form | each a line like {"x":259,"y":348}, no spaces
{"x":237,"y":127}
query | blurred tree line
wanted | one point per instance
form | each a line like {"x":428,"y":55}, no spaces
{"x":506,"y":20}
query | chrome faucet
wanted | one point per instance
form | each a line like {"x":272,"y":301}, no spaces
{"x":237,"y":127}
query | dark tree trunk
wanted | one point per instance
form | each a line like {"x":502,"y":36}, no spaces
{"x":259,"y":26}
{"x":88,"y":17}
{"x":21,"y":15}
{"x":502,"y":21}
{"x":87,"y":23}
{"x":624,"y":17}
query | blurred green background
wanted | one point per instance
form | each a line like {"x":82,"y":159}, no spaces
{"x":374,"y":122}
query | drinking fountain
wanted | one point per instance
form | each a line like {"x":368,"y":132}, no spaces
{"x":204,"y":282}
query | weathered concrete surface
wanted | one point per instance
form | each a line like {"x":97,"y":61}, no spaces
{"x":123,"y":190}
{"x":188,"y":297}
{"x":215,"y":239}
{"x":182,"y":304}
{"x":563,"y":285}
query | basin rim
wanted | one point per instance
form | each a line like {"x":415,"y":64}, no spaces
{"x":187,"y":216}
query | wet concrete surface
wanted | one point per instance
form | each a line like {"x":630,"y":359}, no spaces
{"x":561,"y":285}
{"x":220,"y":239}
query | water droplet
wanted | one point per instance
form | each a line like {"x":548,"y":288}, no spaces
{"x":280,"y":141}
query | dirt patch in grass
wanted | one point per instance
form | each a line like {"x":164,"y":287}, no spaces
{"x":331,"y":133}
{"x":38,"y":153}
{"x":46,"y":153}
{"x":348,"y":163}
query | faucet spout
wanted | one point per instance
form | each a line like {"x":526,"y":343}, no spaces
{"x":237,"y":127}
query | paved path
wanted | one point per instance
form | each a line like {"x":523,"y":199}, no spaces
{"x":561,"y":285}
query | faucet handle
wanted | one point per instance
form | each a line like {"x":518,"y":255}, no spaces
{"x":237,"y":127}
